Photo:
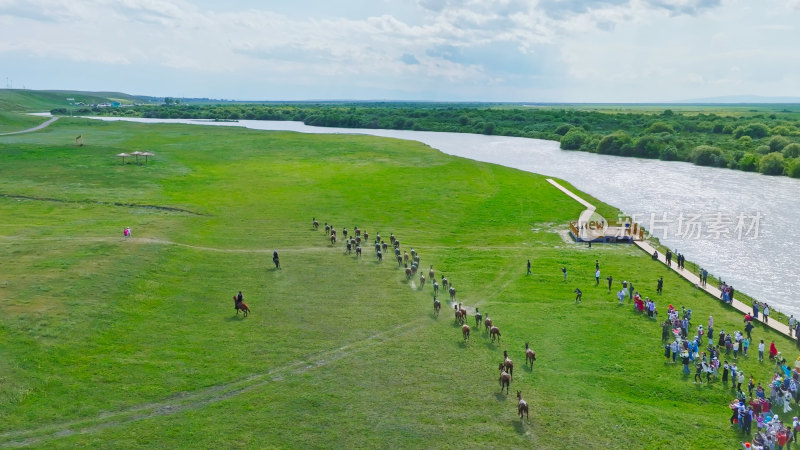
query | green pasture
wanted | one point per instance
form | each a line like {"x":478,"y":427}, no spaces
{"x":10,"y":122}
{"x":114,"y":343}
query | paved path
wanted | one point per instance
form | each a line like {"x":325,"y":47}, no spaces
{"x":692,"y":278}
{"x":30,"y":130}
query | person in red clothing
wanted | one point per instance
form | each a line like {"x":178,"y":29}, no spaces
{"x":773,"y":352}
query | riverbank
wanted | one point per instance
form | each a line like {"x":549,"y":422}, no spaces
{"x":689,"y":276}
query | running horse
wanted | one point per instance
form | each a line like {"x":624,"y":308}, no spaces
{"x":522,"y":406}
{"x":530,"y":355}
{"x":241,"y":306}
{"x":465,"y":332}
{"x":505,"y":379}
{"x":437,"y":306}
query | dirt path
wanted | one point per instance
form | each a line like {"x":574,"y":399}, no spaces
{"x":31,"y":130}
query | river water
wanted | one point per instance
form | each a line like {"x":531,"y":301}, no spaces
{"x":737,"y":225}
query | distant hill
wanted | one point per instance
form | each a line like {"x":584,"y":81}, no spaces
{"x":25,"y":100}
{"x":748,"y":99}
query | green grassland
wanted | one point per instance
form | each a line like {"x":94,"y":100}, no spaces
{"x":113,"y":343}
{"x":10,"y":122}
{"x":26,"y":100}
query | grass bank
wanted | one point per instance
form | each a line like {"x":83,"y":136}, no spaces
{"x":114,"y":343}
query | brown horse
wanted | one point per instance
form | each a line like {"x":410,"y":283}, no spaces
{"x":530,"y":355}
{"x":444,"y":282}
{"x":494,"y":332}
{"x":366,"y":237}
{"x":405,"y":257}
{"x":505,"y":379}
{"x":358,"y":251}
{"x":478,"y":318}
{"x":431,"y":273}
{"x":333,"y":238}
{"x":315,"y":223}
{"x":465,"y":331}
{"x":408,"y":273}
{"x":487,"y":323}
{"x":459,"y":316}
{"x":421,"y":281}
{"x":452,"y":292}
{"x":399,"y":260}
{"x":242,"y":306}
{"x":508,"y":363}
{"x":463,"y":312}
{"x":522,"y":406}
{"x":437,"y":305}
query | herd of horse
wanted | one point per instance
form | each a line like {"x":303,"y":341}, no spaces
{"x":506,"y":367}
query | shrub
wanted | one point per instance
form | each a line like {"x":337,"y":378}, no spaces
{"x":706,"y":155}
{"x":668,"y":153}
{"x":749,"y":162}
{"x":574,"y":139}
{"x":648,"y":146}
{"x":793,"y":168}
{"x":754,"y":130}
{"x":660,"y":127}
{"x":616,"y":143}
{"x":563,"y":129}
{"x":772,"y":164}
{"x":777,"y":143}
{"x":791,"y":151}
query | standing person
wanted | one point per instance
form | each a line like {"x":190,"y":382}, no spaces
{"x":773,"y":352}
{"x":755,"y":309}
{"x":766,"y":313}
{"x":578,"y":296}
{"x":748,"y":328}
{"x":621,"y":296}
{"x":669,"y":258}
{"x":597,"y":277}
{"x":725,"y":368}
{"x":630,"y":291}
{"x":610,"y":280}
{"x":674,"y":348}
{"x":529,"y":267}
{"x":761,"y":351}
{"x":745,"y":345}
{"x":750,"y":386}
{"x":792,"y":323}
{"x":698,"y":373}
{"x":705,"y":277}
{"x":596,"y":264}
{"x":564,"y":271}
{"x":660,"y":285}
{"x":740,"y":380}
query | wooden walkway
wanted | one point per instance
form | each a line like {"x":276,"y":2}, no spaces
{"x":692,"y":278}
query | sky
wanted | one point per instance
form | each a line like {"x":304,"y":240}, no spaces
{"x":437,"y":50}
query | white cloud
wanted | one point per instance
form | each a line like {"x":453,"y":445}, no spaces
{"x":465,"y":49}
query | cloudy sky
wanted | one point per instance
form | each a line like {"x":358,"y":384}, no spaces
{"x":459,"y":50}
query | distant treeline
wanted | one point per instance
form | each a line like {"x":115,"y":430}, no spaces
{"x":765,"y":142}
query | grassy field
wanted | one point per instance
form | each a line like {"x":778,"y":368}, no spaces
{"x":15,"y":122}
{"x":112,"y":343}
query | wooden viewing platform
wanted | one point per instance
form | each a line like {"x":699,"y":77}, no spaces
{"x":692,"y":278}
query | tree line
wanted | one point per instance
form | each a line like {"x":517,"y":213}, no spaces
{"x":764,"y":142}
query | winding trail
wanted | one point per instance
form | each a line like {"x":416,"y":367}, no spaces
{"x":31,"y":130}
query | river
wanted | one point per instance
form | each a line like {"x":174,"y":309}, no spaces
{"x":737,"y":225}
